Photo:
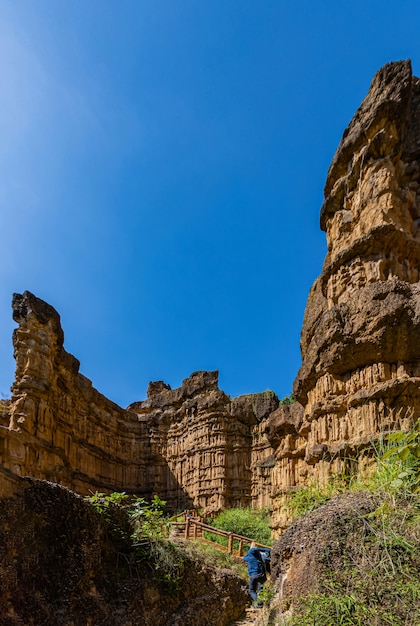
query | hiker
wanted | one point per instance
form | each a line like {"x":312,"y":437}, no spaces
{"x":256,"y":572}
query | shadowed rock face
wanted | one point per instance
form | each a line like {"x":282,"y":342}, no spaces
{"x":307,"y":550}
{"x":360,"y":339}
{"x":62,"y":563}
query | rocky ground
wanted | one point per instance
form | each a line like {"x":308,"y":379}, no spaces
{"x":358,"y":553}
{"x":250,"y":618}
{"x":317,"y":542}
{"x":61,"y":562}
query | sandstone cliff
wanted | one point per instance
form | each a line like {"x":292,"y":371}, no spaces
{"x":360,"y":341}
{"x":194,"y":446}
{"x":60,"y":428}
{"x":360,"y":344}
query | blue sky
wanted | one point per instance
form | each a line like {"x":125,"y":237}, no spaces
{"x":162,"y":168}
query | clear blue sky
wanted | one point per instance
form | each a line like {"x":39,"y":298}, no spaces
{"x":162,"y":172}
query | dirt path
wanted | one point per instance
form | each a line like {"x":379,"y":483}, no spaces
{"x":259,"y":617}
{"x":251,"y":618}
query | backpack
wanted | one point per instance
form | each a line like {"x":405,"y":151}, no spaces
{"x":266,"y":559}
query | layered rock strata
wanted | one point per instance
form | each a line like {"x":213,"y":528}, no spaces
{"x":210,"y":442}
{"x":360,"y":340}
{"x":360,"y":344}
{"x":61,"y":429}
{"x":194,"y":446}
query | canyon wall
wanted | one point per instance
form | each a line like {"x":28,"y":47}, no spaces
{"x":360,"y":341}
{"x":60,"y":428}
{"x":360,"y":344}
{"x":193,"y":446}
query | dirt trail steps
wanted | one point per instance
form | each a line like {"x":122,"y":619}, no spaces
{"x":261,"y":617}
{"x":250,"y":618}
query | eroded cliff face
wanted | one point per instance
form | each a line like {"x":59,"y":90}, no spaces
{"x":210,"y":442}
{"x":360,"y":340}
{"x":60,"y":428}
{"x":193,"y":446}
{"x":360,"y":344}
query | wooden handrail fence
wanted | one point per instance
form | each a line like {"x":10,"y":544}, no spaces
{"x":189,"y":525}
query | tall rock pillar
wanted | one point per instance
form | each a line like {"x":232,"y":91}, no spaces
{"x":360,"y":341}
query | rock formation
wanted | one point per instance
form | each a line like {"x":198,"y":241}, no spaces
{"x":356,"y":558}
{"x":301,"y":561}
{"x":61,"y":429}
{"x":62,"y":563}
{"x":194,"y":446}
{"x":211,"y":443}
{"x":360,"y":344}
{"x":360,"y":340}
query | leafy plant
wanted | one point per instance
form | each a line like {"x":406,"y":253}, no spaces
{"x":148,"y":518}
{"x":290,"y":399}
{"x":266,"y":594}
{"x":109,"y":506}
{"x":404,"y":446}
{"x":145,"y":542}
{"x":101,"y":502}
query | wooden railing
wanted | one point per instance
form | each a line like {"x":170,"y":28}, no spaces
{"x":190,"y":526}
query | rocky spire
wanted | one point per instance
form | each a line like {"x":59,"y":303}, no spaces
{"x":360,"y":340}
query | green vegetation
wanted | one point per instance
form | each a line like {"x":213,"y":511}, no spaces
{"x":266,"y":594}
{"x":214,"y":557}
{"x":147,"y":518}
{"x":404,"y":454}
{"x":379,"y":583}
{"x":395,"y":472}
{"x":246,"y":522}
{"x":290,"y":399}
{"x":303,"y":501}
{"x":141,"y":526}
{"x":166,"y":559}
{"x":379,"y":586}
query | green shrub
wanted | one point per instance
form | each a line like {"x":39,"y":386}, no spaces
{"x":403,"y":456}
{"x":149,"y":518}
{"x":251,"y":523}
{"x":306,"y":499}
{"x":290,"y":399}
{"x":379,"y":582}
{"x":142,"y":526}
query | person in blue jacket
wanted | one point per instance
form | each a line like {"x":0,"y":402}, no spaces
{"x":256,"y":572}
